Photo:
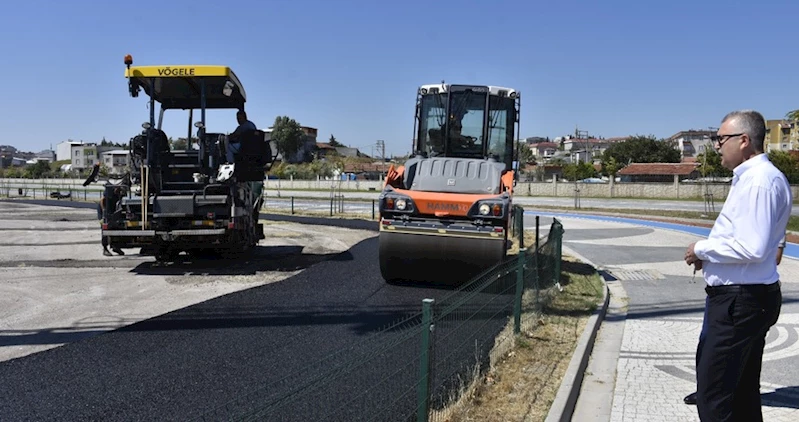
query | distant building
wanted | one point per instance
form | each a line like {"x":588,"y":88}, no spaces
{"x":781,"y":135}
{"x":348,"y":152}
{"x":115,"y":161}
{"x":323,"y":149}
{"x":535,"y":140}
{"x":692,"y":142}
{"x":83,"y":156}
{"x":304,"y":154}
{"x":544,"y":150}
{"x":64,"y":150}
{"x":7,"y":150}
{"x":588,"y":150}
{"x":48,"y":155}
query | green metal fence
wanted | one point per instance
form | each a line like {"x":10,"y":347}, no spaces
{"x":419,"y":368}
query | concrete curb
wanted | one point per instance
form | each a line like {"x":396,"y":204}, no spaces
{"x":565,"y":402}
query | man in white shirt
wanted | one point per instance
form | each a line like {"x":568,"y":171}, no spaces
{"x":739,"y":265}
{"x":691,"y":398}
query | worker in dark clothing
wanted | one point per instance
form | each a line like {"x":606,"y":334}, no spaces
{"x":234,"y":139}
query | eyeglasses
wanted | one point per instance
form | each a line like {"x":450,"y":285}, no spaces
{"x":721,"y":139}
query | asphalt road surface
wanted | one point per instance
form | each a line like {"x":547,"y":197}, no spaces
{"x":303,"y":348}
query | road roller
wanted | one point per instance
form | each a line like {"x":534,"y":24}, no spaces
{"x":444,"y":214}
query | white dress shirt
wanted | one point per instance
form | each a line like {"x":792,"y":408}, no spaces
{"x":742,"y":246}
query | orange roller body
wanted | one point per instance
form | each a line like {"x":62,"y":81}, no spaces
{"x":445,"y":212}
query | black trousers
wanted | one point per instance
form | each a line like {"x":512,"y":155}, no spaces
{"x":731,"y":352}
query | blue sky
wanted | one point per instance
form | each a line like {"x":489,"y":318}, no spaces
{"x":351,"y":67}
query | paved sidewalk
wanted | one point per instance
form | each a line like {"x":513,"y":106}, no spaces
{"x":659,"y":332}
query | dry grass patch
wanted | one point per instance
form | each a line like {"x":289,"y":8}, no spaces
{"x":522,"y":384}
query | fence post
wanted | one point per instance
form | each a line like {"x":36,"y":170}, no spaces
{"x":423,"y":389}
{"x":520,"y":226}
{"x":292,"y":205}
{"x":517,"y":300}
{"x":558,"y":251}
{"x":373,"y":209}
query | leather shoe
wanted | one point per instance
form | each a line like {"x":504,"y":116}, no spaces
{"x":690,"y":399}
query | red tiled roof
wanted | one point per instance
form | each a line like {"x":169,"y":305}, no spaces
{"x":324,"y":145}
{"x":542,"y":145}
{"x":638,"y":169}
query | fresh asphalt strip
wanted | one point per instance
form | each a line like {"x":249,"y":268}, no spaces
{"x":299,"y":349}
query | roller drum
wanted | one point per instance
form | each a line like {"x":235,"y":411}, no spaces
{"x":433,"y":258}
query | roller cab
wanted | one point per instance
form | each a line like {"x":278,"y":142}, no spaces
{"x":445,"y":213}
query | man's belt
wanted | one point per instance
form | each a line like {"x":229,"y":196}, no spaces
{"x":739,"y":288}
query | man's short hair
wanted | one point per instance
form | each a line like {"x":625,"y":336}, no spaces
{"x":241,"y":113}
{"x":751,"y":123}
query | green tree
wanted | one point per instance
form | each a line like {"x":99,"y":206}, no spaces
{"x":288,"y":136}
{"x":611,"y":167}
{"x":37,"y":170}
{"x":333,"y":142}
{"x":579,"y":171}
{"x":525,"y":153}
{"x":642,"y":149}
{"x":792,"y":115}
{"x":787,"y":163}
{"x":710,"y":164}
{"x":181,"y":143}
{"x":12,"y":172}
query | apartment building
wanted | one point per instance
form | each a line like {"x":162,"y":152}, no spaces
{"x":116,"y":161}
{"x":781,"y":135}
{"x":692,"y":142}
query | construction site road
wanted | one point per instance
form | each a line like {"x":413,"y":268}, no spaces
{"x":88,"y":337}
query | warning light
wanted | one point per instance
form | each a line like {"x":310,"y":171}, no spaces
{"x":128,"y":59}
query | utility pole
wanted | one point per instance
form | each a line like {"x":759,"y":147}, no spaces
{"x":578,"y":135}
{"x":381,"y":147}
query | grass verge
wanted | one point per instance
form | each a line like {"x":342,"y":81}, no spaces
{"x":523,"y":382}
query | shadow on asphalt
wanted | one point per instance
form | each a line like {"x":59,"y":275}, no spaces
{"x":787,"y":397}
{"x":639,"y":312}
{"x":50,"y":336}
{"x":323,"y":221}
{"x":260,"y":259}
{"x":52,"y":202}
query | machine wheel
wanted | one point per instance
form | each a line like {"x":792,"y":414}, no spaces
{"x":436,"y":259}
{"x":166,"y":254}
{"x":389,"y":268}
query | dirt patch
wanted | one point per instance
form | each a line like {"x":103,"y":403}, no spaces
{"x":523,"y":383}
